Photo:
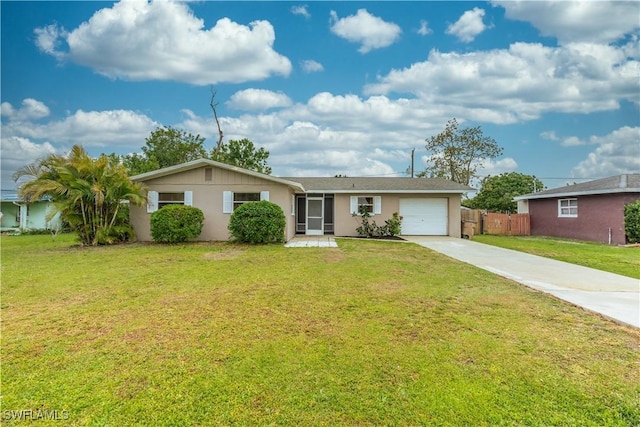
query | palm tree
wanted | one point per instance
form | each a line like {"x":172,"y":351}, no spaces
{"x":89,"y":193}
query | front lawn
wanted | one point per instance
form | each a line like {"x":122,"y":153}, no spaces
{"x":614,"y":259}
{"x":370,"y":333}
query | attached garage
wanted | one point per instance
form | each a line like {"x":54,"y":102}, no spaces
{"x":425,"y":216}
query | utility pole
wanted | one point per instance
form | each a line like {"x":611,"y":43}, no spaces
{"x":413,"y":151}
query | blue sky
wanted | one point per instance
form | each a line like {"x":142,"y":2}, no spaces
{"x":328,"y":87}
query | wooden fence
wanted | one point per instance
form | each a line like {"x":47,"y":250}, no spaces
{"x":507,"y":224}
{"x":474,"y":215}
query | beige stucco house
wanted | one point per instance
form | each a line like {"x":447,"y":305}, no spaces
{"x":312,"y":206}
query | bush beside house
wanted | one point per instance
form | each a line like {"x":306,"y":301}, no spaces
{"x":176,"y":224}
{"x":368,"y":227}
{"x":632,"y":222}
{"x":258,"y":222}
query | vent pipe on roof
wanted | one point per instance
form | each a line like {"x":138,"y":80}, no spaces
{"x":623,"y":181}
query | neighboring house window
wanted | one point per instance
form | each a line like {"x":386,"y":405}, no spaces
{"x":372,"y":204}
{"x":568,"y":208}
{"x":157,"y":200}
{"x":231,"y":200}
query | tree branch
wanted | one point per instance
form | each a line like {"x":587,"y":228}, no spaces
{"x":215,"y":116}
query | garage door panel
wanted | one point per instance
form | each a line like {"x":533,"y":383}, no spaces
{"x":426,"y":216}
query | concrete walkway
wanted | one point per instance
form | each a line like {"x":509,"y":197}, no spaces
{"x":612,"y":295}
{"x":312,"y":242}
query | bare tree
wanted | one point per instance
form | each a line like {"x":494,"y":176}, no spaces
{"x":213,"y":106}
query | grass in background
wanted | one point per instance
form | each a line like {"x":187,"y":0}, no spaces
{"x":370,"y":333}
{"x":614,"y":259}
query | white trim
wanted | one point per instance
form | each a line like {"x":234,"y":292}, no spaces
{"x":353,"y":205}
{"x":389,"y":191}
{"x":308,"y":230}
{"x":569,"y":206}
{"x":377,"y":205}
{"x":227,"y":202}
{"x":152,"y":201}
{"x":264,"y":195}
{"x":570,"y":194}
{"x":188,"y":198}
{"x":194,"y":164}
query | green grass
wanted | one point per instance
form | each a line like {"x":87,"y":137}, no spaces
{"x":615,"y":259}
{"x":370,"y":333}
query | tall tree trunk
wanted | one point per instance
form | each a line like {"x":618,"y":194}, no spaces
{"x":215,"y":116}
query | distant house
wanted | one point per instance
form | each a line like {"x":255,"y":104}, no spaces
{"x":313,"y":206}
{"x":592,"y":210}
{"x":18,"y":215}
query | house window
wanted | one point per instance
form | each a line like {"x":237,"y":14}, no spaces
{"x":372,"y":204}
{"x":231,"y":200}
{"x":365,"y":204}
{"x":165,"y":199}
{"x":241,"y":198}
{"x":568,"y":208}
{"x":157,"y":200}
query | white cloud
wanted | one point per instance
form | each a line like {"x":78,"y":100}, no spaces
{"x":48,"y":39}
{"x":331,"y":134}
{"x":468,"y":26}
{"x":31,"y":109}
{"x":258,"y":100}
{"x":522,"y":82}
{"x":311,"y":66}
{"x":424,"y":28}
{"x":113,"y":128}
{"x":617,"y":153}
{"x":577,"y":21}
{"x":301,"y":10}
{"x":122,"y":42}
{"x":18,"y":152}
{"x":370,"y":31}
{"x":572,"y":141}
{"x":550,"y":135}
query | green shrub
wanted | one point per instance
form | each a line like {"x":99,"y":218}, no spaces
{"x":258,"y":222}
{"x":394,"y":225}
{"x":369,"y":228}
{"x":632,"y":222}
{"x":176,"y":223}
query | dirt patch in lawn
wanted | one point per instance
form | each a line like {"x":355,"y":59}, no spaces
{"x":334,"y":255}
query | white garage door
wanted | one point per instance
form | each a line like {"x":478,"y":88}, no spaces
{"x":424,"y":217}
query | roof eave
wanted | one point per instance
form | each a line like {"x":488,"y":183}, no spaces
{"x":361,"y":191}
{"x":577,"y":193}
{"x":206,"y":162}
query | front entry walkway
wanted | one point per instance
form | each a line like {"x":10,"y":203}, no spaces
{"x":312,"y":242}
{"x":612,"y":295}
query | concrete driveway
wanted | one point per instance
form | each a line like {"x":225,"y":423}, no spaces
{"x":612,"y":295}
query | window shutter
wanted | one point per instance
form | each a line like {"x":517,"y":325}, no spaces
{"x":227,"y":201}
{"x":377,"y":205}
{"x":264,"y":195}
{"x":188,"y":198}
{"x":152,"y":201}
{"x":354,"y":204}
